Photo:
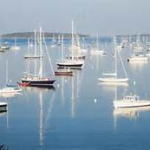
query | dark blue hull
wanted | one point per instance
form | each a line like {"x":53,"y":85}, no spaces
{"x":39,"y":83}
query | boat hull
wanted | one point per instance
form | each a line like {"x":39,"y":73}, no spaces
{"x":137,"y":59}
{"x":71,"y":65}
{"x":3,"y":107}
{"x":97,"y":52}
{"x":33,"y":57}
{"x":131,"y":104}
{"x":10,"y":90}
{"x":2,"y":104}
{"x":37,"y":83}
{"x":63,"y":73}
{"x":113,"y":80}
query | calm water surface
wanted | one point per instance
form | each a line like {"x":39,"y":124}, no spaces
{"x":78,"y":112}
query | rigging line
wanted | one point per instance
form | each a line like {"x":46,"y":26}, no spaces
{"x":50,"y":62}
{"x":122,"y":64}
{"x":115,"y":49}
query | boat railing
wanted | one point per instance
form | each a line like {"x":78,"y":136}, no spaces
{"x":131,"y":97}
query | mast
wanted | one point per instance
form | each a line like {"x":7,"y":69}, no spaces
{"x":6,"y":71}
{"x":72,"y":39}
{"x":35,"y":51}
{"x":35,"y":47}
{"x":41,"y":53}
{"x":62,"y":48}
{"x":15,"y":42}
{"x":97,"y":43}
{"x":115,"y":57}
{"x":28,"y":62}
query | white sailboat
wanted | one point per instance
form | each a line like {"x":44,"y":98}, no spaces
{"x":138,"y":55}
{"x":138,"y":58}
{"x":9,"y":88}
{"x":36,"y":54}
{"x":113,"y":77}
{"x":4,"y":46}
{"x":96,"y":50}
{"x":79,"y":52}
{"x":15,"y":46}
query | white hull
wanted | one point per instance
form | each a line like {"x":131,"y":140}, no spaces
{"x":6,"y":95}
{"x":138,"y":58}
{"x":148,"y":54}
{"x":70,"y":63}
{"x":113,"y":80}
{"x":114,"y":84}
{"x":9,"y":90}
{"x":3,"y":104}
{"x":131,"y":103}
{"x":32,"y":56}
{"x":15,"y":48}
{"x":97,"y":52}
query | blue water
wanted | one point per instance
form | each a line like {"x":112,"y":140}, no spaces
{"x":78,"y":114}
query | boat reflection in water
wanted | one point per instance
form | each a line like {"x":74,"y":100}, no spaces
{"x":44,"y":115}
{"x":138,"y":66}
{"x":111,"y":86}
{"x":32,"y":88}
{"x":9,"y":95}
{"x":129,"y":112}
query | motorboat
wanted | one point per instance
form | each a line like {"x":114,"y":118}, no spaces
{"x":3,"y":107}
{"x":130,"y":101}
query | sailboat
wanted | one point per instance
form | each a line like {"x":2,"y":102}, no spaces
{"x":15,"y":47}
{"x":113,"y":77}
{"x":38,"y":80}
{"x":72,"y":62}
{"x":63,"y":71}
{"x":4,"y":46}
{"x":9,"y":88}
{"x":97,"y":51}
{"x":138,"y":55}
{"x":76,"y":48}
{"x":35,"y":55}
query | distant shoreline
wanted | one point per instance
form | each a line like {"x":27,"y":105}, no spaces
{"x":24,"y":35}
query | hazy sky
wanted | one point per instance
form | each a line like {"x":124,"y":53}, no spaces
{"x":105,"y":17}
